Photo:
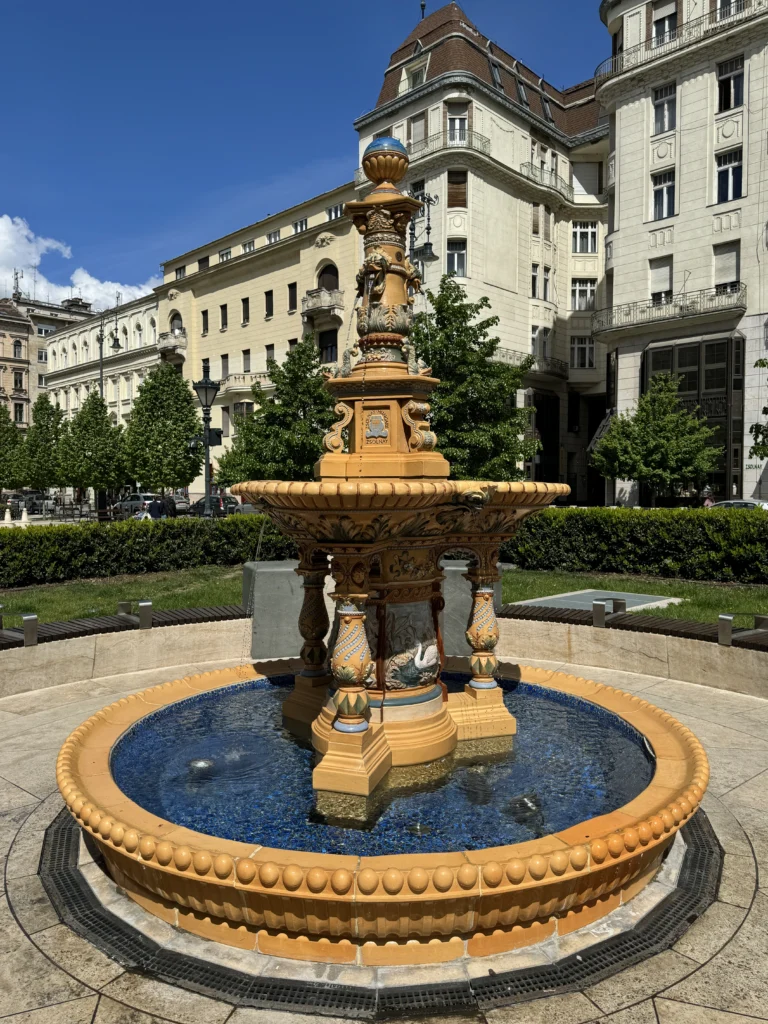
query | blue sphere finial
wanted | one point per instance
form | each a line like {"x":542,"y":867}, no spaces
{"x":385,"y":160}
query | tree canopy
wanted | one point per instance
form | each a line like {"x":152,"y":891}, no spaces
{"x":659,"y":444}
{"x":92,"y":448}
{"x":41,"y":454}
{"x":283,"y":437}
{"x":479,"y":429}
{"x":159,"y":440}
{"x":759,"y":431}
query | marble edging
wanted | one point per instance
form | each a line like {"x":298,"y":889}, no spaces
{"x":340,"y":898}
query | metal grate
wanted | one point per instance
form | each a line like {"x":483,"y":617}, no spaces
{"x":79,"y":908}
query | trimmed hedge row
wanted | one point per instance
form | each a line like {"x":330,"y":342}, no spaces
{"x":53,"y":554}
{"x":729,"y":545}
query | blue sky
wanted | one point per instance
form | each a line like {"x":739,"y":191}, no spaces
{"x":136,"y":131}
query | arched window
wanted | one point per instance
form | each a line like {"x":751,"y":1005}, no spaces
{"x":137,"y":332}
{"x":64,"y":359}
{"x":177,"y":324}
{"x":17,"y":350}
{"x":85,"y":350}
{"x":328,"y":278}
{"x":152,"y":332}
{"x":53,"y":360}
{"x":74,"y":354}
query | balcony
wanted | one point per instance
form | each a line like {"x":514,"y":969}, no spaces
{"x":546,"y":366}
{"x":322,"y":300}
{"x":706,"y":303}
{"x":465,"y":138}
{"x":548,"y":179}
{"x":242,"y":381}
{"x":172,"y":345}
{"x":690,"y":32}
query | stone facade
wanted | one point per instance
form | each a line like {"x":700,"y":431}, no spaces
{"x":16,"y":332}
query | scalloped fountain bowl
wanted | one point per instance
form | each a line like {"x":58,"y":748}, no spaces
{"x":202,"y":806}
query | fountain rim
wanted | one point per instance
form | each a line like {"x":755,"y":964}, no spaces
{"x":125,"y":829}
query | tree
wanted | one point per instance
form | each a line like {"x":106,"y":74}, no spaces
{"x":92,"y":448}
{"x":660,"y":444}
{"x":283,"y":437}
{"x":159,"y":441}
{"x":11,"y":440}
{"x":40,"y":454}
{"x":479,"y":429}
{"x":759,"y":431}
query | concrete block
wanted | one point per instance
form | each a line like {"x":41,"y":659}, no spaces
{"x":274,"y":593}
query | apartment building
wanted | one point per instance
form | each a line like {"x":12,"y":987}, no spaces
{"x":118,"y":346}
{"x":16,"y":333}
{"x":685,"y":91}
{"x":518,"y":168}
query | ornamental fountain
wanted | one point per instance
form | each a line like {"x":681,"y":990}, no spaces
{"x":254,"y":842}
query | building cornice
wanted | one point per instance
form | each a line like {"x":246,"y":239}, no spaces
{"x":95,"y":319}
{"x":465,"y":78}
{"x":84,"y":371}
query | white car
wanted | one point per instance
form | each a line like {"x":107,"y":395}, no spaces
{"x":739,"y":503}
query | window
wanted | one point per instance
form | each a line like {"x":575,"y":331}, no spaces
{"x":18,"y":380}
{"x":299,"y":226}
{"x":715,"y":357}
{"x":660,"y":272}
{"x":664,"y":22}
{"x":273,"y":236}
{"x":203,"y":263}
{"x":18,"y":412}
{"x":522,"y":94}
{"x":663,"y":195}
{"x":546,"y":290}
{"x":534,"y":280}
{"x":224,"y":255}
{"x":496,"y":74}
{"x":727,"y":8}
{"x":730,"y":84}
{"x":417,"y":189}
{"x":40,"y":380}
{"x":328,"y":344}
{"x":546,"y":107}
{"x":269,"y":303}
{"x":246,"y":310}
{"x":243,"y":409}
{"x":729,"y":175}
{"x":664,"y":109}
{"x":416,"y":77}
{"x":43,"y":330}
{"x":181,"y":273}
{"x":547,"y":224}
{"x":335,"y":212}
{"x":457,"y":124}
{"x":534,"y":339}
{"x":223,"y":317}
{"x":583,"y":293}
{"x":582,"y":353}
{"x":457,"y":257}
{"x":417,"y":129}
{"x":249,"y":246}
{"x":293,"y":297}
{"x":270,"y":352}
{"x":42,"y":355}
{"x":585,"y":236}
{"x":457,"y":189}
{"x":544,"y":341}
{"x":688,"y":367}
{"x":246,"y":360}
{"x":727,"y":267}
{"x":225,"y":421}
{"x":204,"y":321}
{"x":535,"y":218}
{"x":292,"y":343}
{"x":553,"y":162}
{"x":224,"y":365}
{"x":17,"y":350}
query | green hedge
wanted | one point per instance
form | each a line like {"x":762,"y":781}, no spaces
{"x":52,"y":554}
{"x":698,"y":544}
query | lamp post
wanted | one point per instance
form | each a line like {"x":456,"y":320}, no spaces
{"x":206,"y":391}
{"x":424,"y":253}
{"x":115,"y":346}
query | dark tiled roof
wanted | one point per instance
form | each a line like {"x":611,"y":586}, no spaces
{"x":455,"y":44}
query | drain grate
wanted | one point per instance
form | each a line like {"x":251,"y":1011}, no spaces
{"x":79,"y":908}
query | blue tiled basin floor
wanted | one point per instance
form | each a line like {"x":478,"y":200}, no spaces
{"x":221,"y":763}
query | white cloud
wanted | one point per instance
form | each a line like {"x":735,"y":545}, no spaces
{"x":22,"y":249}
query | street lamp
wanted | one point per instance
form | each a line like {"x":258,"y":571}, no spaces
{"x":425,"y":253}
{"x":206,"y":391}
{"x":115,"y":346}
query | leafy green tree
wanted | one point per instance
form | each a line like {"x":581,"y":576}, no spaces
{"x":660,"y":444}
{"x":11,"y":463}
{"x":479,"y":429}
{"x":40,"y":453}
{"x":759,"y":431}
{"x":92,"y":448}
{"x":159,"y":440}
{"x":283,"y":437}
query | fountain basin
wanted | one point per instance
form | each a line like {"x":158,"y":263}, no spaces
{"x":394,"y":907}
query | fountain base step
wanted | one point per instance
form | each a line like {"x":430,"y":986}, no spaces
{"x":481,"y":714}
{"x":353,"y":762}
{"x":304,"y":703}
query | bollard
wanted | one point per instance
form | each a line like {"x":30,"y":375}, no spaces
{"x":24,"y":517}
{"x":619,"y":605}
{"x":598,"y":613}
{"x":7,"y":518}
{"x":761,"y":621}
{"x":123,"y":607}
{"x":145,"y":615}
{"x":29,"y":623}
{"x":725,"y":630}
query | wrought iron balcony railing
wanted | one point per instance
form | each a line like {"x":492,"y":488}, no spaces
{"x":548,"y":179}
{"x":724,"y":17}
{"x":541,"y":364}
{"x":319,"y":300}
{"x":689,"y":304}
{"x":457,"y":138}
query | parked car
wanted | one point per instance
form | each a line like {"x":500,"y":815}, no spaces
{"x":741,"y":504}
{"x":129,"y":506}
{"x":182,"y":505}
{"x":38,"y":502}
{"x":223,"y":505}
{"x":245,"y":508}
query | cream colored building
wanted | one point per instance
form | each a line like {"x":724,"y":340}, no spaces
{"x":685,"y":91}
{"x":16,"y":367}
{"x":518,"y":168}
{"x":74,"y":367}
{"x":251,"y":295}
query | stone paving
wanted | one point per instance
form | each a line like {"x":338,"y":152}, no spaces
{"x":716,"y":974}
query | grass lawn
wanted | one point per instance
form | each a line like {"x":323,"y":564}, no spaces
{"x":702,"y":602}
{"x":205,"y":587}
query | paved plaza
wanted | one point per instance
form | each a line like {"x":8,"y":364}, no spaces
{"x":716,"y":974}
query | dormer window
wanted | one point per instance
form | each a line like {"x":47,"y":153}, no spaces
{"x":522,"y":94}
{"x":546,"y":108}
{"x":416,"y":77}
{"x":496,"y":73}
